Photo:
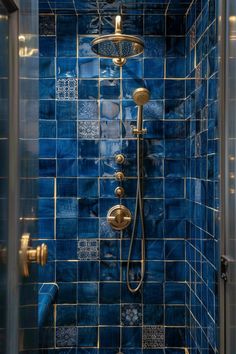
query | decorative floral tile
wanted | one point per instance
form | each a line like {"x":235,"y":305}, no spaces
{"x":131,"y":315}
{"x":153,"y":337}
{"x":66,"y":336}
{"x":67,"y":89}
{"x":88,"y":129}
{"x":88,"y":249}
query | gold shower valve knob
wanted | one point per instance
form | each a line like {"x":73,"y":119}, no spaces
{"x":119,"y":217}
{"x":119,"y":176}
{"x":120,"y":159}
{"x":119,"y":192}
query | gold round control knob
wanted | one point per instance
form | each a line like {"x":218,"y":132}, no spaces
{"x":120,"y":159}
{"x":119,"y":217}
{"x":119,"y":176}
{"x":119,"y":192}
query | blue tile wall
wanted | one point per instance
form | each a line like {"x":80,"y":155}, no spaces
{"x":202,"y":172}
{"x":86,"y":114}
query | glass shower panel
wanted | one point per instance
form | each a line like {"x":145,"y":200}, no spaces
{"x":28,"y":174}
{"x":4,"y":120}
{"x":230,"y":207}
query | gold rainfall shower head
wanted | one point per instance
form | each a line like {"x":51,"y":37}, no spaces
{"x":118,"y":46}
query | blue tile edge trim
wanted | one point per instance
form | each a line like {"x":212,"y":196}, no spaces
{"x":47,"y":296}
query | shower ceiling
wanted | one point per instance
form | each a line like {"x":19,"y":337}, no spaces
{"x":113,"y":7}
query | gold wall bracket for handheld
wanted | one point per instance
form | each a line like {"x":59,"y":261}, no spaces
{"x":119,"y":217}
{"x":29,"y":255}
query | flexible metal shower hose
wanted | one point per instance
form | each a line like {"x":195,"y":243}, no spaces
{"x":138,"y":212}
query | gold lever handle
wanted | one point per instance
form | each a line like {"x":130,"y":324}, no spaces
{"x":29,"y":255}
{"x":119,"y":217}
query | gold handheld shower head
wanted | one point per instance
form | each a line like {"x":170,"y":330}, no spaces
{"x":140,"y":96}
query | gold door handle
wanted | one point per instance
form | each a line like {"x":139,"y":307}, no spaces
{"x":29,"y":254}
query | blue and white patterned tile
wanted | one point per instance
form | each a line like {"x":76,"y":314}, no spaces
{"x":131,"y":315}
{"x":67,"y":89}
{"x":153,"y":337}
{"x":88,"y":249}
{"x":88,"y":129}
{"x":66,"y":336}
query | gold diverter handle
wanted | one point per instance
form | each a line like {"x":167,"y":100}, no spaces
{"x":29,"y":254}
{"x":119,"y":217}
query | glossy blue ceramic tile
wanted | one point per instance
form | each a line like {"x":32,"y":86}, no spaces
{"x":66,"y":249}
{"x":154,"y":25}
{"x":109,"y":109}
{"x":66,"y":129}
{"x":109,"y":271}
{"x":153,"y":314}
{"x":88,"y":271}
{"x":109,"y":293}
{"x":66,"y":148}
{"x":67,"y":187}
{"x":67,"y":293}
{"x":47,"y":129}
{"x":66,"y":67}
{"x":87,"y":315}
{"x":131,"y":337}
{"x":66,"y":110}
{"x":88,"y":24}
{"x":88,"y":89}
{"x":87,"y":292}
{"x":133,"y":69}
{"x":154,"y":68}
{"x":66,"y":36}
{"x":47,"y":88}
{"x":110,"y":89}
{"x":47,"y":67}
{"x":108,"y":69}
{"x":85,"y":47}
{"x":88,"y":68}
{"x":66,"y":315}
{"x":67,"y":167}
{"x":109,"y":337}
{"x":47,"y":46}
{"x":109,"y":314}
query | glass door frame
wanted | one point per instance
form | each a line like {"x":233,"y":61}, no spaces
{"x":12,"y":318}
{"x":227,"y":218}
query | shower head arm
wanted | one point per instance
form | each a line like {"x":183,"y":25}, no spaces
{"x":118,"y":25}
